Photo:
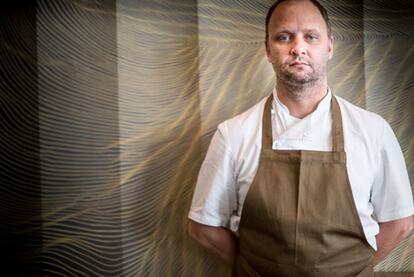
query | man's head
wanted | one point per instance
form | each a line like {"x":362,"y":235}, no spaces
{"x":321,"y":9}
{"x":299,"y":42}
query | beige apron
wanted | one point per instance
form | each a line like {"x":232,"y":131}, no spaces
{"x":299,"y":217}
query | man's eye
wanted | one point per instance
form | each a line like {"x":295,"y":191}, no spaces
{"x":283,"y":38}
{"x":311,"y":37}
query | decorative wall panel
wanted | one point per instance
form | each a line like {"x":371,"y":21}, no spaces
{"x":108,"y":108}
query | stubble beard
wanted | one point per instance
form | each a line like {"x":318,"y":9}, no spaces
{"x":296,"y":84}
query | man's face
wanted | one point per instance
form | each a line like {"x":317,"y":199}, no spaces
{"x":298,"y":46}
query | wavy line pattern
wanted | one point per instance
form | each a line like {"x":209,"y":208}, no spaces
{"x":130,"y":94}
{"x":78,"y":113}
{"x":159,"y":131}
{"x":389,"y":89}
{"x":19,"y":140}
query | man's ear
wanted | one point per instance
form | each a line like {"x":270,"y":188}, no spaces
{"x":331,"y":41}
{"x":268,"y":55}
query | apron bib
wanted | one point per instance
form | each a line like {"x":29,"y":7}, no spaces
{"x":299,"y":217}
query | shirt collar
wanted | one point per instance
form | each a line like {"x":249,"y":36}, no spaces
{"x":323,"y":106}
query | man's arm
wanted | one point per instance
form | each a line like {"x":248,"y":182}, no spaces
{"x":390,"y":235}
{"x":218,"y":240}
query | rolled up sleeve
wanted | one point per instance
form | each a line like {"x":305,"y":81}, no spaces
{"x":391,"y":194}
{"x":214,"y":198}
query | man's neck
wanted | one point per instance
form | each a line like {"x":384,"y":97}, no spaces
{"x":304,"y":101}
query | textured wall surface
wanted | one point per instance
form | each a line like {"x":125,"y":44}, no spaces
{"x":108,"y":107}
{"x":79,"y":121}
{"x":389,"y":88}
{"x":20,"y":188}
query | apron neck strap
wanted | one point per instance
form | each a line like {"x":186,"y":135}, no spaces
{"x":337,"y":130}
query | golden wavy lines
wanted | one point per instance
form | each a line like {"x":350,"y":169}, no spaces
{"x":388,"y":19}
{"x":395,"y":263}
{"x":84,"y":250}
{"x":404,"y":114}
{"x":148,"y":27}
{"x":78,"y":113}
{"x":386,"y":264}
{"x":159,"y":17}
{"x":144,"y":164}
{"x":59,"y":37}
{"x":71,"y":202}
{"x":92,"y":7}
{"x":229,"y":21}
{"x":82,"y":226}
{"x":374,"y":64}
{"x":377,"y":32}
{"x":162,"y":249}
{"x":354,"y":35}
{"x":389,"y":69}
{"x":164,"y":112}
{"x":230,"y":84}
{"x":160,"y":5}
{"x":406,"y":256}
{"x":250,"y":79}
{"x":169,"y":83}
{"x":227,"y":38}
{"x":398,"y":10}
{"x":187,"y":161}
{"x":346,"y":54}
{"x":222,"y":10}
{"x":74,"y":260}
{"x":224,"y":25}
{"x":60,"y":265}
{"x":345,"y":70}
{"x":191,"y":148}
{"x":99,"y":194}
{"x":349,"y":9}
{"x":164,"y":231}
{"x":346,"y":20}
{"x":76,"y":240}
{"x":127,"y":89}
{"x":346,"y":75}
{"x":222,"y":77}
{"x":159,"y":21}
{"x":124,"y":127}
{"x":391,"y":7}
{"x":345,"y":33}
{"x":99,"y":259}
{"x":388,"y":52}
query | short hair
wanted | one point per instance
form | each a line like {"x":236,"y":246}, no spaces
{"x":321,"y":8}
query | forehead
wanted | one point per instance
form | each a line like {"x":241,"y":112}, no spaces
{"x":297,"y":14}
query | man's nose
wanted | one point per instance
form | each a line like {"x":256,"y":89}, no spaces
{"x":298,"y":47}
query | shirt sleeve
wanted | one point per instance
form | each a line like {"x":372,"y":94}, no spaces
{"x":214,"y":198}
{"x":391,"y":196}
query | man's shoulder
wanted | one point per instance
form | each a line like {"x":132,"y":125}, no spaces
{"x":355,"y":110}
{"x":360,"y":120}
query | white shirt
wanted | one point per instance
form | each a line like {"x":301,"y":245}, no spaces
{"x":375,"y":163}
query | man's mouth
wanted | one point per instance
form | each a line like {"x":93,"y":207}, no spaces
{"x":297,"y":63}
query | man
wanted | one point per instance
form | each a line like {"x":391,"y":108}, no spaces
{"x":289,"y":187}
